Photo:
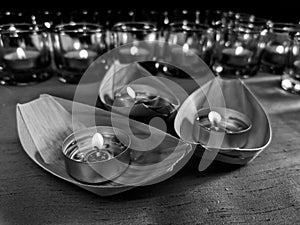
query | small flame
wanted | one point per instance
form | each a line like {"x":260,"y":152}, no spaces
{"x":166,"y":20}
{"x":97,"y":140}
{"x":185,"y":48}
{"x":76,"y":45}
{"x":214,"y":118}
{"x":152,"y":37}
{"x":133,"y":50}
{"x":47,"y":24}
{"x":239,"y":50}
{"x":125,"y":36}
{"x":131,"y":92}
{"x":83,"y":54}
{"x":21,"y":54}
{"x":279,"y":49}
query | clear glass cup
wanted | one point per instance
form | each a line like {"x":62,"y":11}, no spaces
{"x":197,"y":38}
{"x":24,"y":54}
{"x":137,"y":36}
{"x":237,"y":52}
{"x":290,"y":80}
{"x":76,"y":46}
{"x":275,"y":46}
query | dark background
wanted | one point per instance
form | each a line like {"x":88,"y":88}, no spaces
{"x":276,"y":10}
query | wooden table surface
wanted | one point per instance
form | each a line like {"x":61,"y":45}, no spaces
{"x":266,"y":191}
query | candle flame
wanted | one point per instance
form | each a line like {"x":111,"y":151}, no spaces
{"x":214,"y":118}
{"x":131,"y":92}
{"x":47,"y":24}
{"x":279,"y":49}
{"x":83,"y":54}
{"x":97,"y":140}
{"x":185,"y":48}
{"x":133,"y":50}
{"x":239,"y":50}
{"x":21,"y":54}
{"x":152,"y":37}
{"x":76,"y":45}
{"x":166,"y":20}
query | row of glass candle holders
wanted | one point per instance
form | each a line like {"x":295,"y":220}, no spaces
{"x":29,"y":53}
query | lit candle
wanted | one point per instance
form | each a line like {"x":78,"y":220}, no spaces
{"x":274,"y":56}
{"x":215,"y":122}
{"x":238,"y":56}
{"x":21,"y":59}
{"x":80,"y":59}
{"x":96,"y":157}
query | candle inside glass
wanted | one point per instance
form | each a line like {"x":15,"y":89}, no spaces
{"x":80,"y":59}
{"x":238,"y":56}
{"x":21,"y":59}
{"x":274,"y":56}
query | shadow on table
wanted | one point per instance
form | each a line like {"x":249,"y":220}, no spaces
{"x":187,"y":179}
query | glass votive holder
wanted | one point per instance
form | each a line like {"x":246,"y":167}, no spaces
{"x":76,"y":46}
{"x":24,"y":53}
{"x":275,"y":47}
{"x":137,"y":36}
{"x":290,"y":80}
{"x":237,"y":53}
{"x":193,"y":39}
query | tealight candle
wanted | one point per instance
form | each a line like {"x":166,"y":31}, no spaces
{"x":238,"y":56}
{"x":21,"y":59}
{"x":274,"y":56}
{"x":80,"y":59}
{"x":218,"y":121}
{"x":96,"y":157}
